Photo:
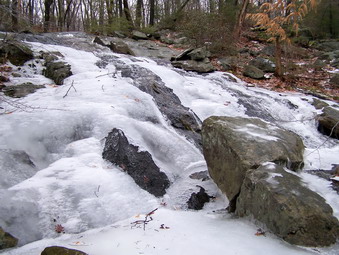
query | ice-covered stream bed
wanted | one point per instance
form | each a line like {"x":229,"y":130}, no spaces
{"x":62,"y":130}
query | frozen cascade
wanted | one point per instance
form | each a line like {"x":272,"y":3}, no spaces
{"x":63,"y":136}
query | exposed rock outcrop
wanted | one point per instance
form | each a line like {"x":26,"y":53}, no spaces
{"x":194,"y":60}
{"x":328,"y":122}
{"x":16,"y":52}
{"x":180,"y":117}
{"x":21,"y":90}
{"x":253,"y":72}
{"x":138,"y":164}
{"x":137,"y":35}
{"x":7,"y":240}
{"x":263,"y":64}
{"x":289,"y":209}
{"x":58,"y":250}
{"x":121,"y":47}
{"x":232,"y":146}
{"x":58,"y":71}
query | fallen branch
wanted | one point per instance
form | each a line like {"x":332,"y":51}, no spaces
{"x":70,"y":89}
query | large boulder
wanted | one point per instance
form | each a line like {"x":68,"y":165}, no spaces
{"x":16,"y":52}
{"x":288,"y":208}
{"x":121,"y":47}
{"x":263,"y":64}
{"x":7,"y":240}
{"x":138,"y":164}
{"x":137,"y":35}
{"x":58,"y":250}
{"x":196,"y":66}
{"x":253,"y":72}
{"x":328,"y":122}
{"x":194,"y":60}
{"x":233,"y":145}
{"x":57,"y":71}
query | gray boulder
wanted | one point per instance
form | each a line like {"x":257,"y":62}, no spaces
{"x":121,"y":47}
{"x":228,"y":63}
{"x":328,"y":122}
{"x":7,"y":240}
{"x":58,"y":250}
{"x":21,"y":90}
{"x":263,"y":64}
{"x":231,"y":146}
{"x":192,"y":65}
{"x":199,"y":54}
{"x":57,"y":71}
{"x":287,"y":208}
{"x":137,"y":35}
{"x":16,"y":52}
{"x":138,"y":164}
{"x":253,"y":72}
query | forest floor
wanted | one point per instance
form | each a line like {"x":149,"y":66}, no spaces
{"x":301,"y":73}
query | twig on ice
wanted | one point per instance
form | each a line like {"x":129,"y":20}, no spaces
{"x":70,"y":89}
{"x":147,"y":219}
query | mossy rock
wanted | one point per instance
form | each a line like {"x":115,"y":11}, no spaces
{"x":16,"y":52}
{"x":7,"y":240}
{"x":21,"y":90}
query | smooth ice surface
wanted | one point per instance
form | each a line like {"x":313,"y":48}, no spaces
{"x":62,"y":129}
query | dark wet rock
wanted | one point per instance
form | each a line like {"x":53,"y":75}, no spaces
{"x":180,"y":117}
{"x":228,"y":63}
{"x":253,"y":72}
{"x":232,"y":146}
{"x":192,"y":65}
{"x":57,"y":71}
{"x":137,"y":35}
{"x":202,"y":175}
{"x":287,"y":208}
{"x":21,"y":90}
{"x":138,"y":164}
{"x":198,"y":200}
{"x":7,"y":240}
{"x":328,"y":122}
{"x":58,"y":250}
{"x":319,"y":104}
{"x":263,"y":64}
{"x":99,"y":41}
{"x":16,"y":52}
{"x":121,"y":47}
{"x":335,"y":80}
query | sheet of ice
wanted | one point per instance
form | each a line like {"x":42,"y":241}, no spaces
{"x":172,"y":232}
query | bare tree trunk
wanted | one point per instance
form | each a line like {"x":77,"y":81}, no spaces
{"x":278,"y":67}
{"x":15,"y":22}
{"x":138,"y":13}
{"x":241,"y":19}
{"x":151,"y":12}
{"x":47,"y":18}
{"x":109,"y":6}
{"x":128,"y":14}
{"x":31,"y":12}
{"x":120,"y":9}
